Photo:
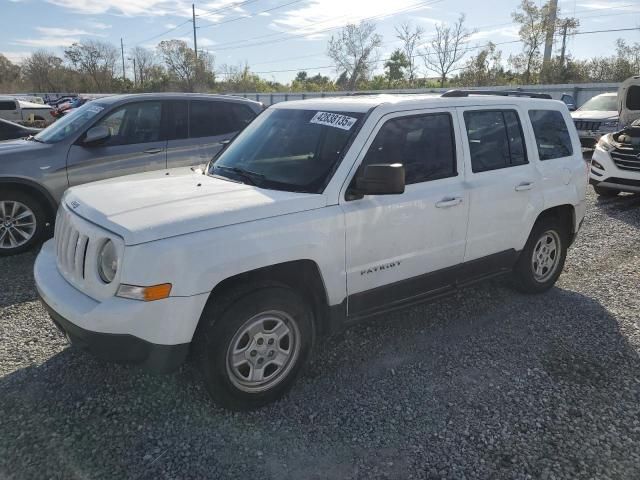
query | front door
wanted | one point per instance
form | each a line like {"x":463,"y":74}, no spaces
{"x":137,"y":144}
{"x":504,"y":186}
{"x":401,"y":247}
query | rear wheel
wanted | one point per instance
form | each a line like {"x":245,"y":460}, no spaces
{"x":542,"y":259}
{"x":606,"y":192}
{"x":252,"y":349}
{"x":22,"y":222}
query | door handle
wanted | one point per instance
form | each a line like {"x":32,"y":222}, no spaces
{"x":449,"y":202}
{"x":154,"y":150}
{"x":524,"y":186}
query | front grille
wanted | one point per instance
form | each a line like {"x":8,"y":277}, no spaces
{"x":71,"y":247}
{"x":587,"y":125}
{"x":626,"y":158}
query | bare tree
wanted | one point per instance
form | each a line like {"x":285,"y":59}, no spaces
{"x":95,"y":59}
{"x":354,"y":50}
{"x":189,"y":72}
{"x":411,"y":38}
{"x":447,"y":49}
{"x":42,"y":70}
{"x":146,"y":64}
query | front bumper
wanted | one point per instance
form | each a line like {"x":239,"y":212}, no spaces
{"x":155,"y":335}
{"x":611,"y":176}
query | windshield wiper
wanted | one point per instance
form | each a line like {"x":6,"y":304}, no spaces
{"x":32,"y":138}
{"x":248,"y":175}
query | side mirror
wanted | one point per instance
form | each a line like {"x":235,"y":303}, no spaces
{"x":96,"y":135}
{"x":381,"y":179}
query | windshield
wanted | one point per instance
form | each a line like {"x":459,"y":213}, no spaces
{"x":69,"y":124}
{"x":293,"y":150}
{"x":604,"y":103}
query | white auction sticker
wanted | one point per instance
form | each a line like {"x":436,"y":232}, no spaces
{"x":95,"y":108}
{"x":334,"y":120}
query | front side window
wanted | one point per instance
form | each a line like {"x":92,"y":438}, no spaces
{"x":495,"y":139}
{"x":134,"y":123}
{"x":424,"y":144}
{"x":552,"y":135}
{"x":289,"y":149}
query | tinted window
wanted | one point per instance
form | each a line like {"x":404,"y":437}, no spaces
{"x":7,"y":105}
{"x":241,"y":115}
{"x":289,"y":149}
{"x":208,"y":119}
{"x":633,"y":98}
{"x":495,"y":139}
{"x":134,"y":123}
{"x":178,"y":120}
{"x":552,"y":135}
{"x":423,"y":144}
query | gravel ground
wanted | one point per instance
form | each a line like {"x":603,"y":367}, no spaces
{"x":489,"y":384}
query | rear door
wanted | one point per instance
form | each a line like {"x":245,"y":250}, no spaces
{"x":137,"y":144}
{"x":211,"y":124}
{"x":504,"y":186}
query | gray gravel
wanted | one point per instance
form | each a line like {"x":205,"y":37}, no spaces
{"x":489,"y":384}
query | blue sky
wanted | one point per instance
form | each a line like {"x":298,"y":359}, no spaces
{"x":275,"y":36}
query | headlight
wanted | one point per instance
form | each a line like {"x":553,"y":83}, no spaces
{"x":108,"y":262}
{"x":605,"y":143}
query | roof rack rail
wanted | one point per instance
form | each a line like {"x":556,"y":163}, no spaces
{"x":503,"y":93}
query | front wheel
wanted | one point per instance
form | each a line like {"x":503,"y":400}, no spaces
{"x":252,"y":349}
{"x":22,"y":222}
{"x":542,"y":259}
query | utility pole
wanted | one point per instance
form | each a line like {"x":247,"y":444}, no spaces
{"x":195,"y":40}
{"x":551,"y":29}
{"x":124,"y":76}
{"x":135,"y":72}
{"x":565,"y":27}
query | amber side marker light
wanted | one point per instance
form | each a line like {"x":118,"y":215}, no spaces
{"x":145,"y":294}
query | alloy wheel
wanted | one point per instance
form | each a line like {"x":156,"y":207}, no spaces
{"x":546,"y":256}
{"x":17,"y":224}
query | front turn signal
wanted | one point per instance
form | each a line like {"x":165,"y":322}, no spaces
{"x":145,"y":294}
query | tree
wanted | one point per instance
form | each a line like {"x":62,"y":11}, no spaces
{"x":184,"y":68}
{"x":483,"y":69}
{"x":534,"y":24}
{"x":45,"y":72}
{"x":395,"y":66}
{"x":94,"y":59}
{"x":353,"y":51}
{"x":147,"y":69}
{"x":411,"y":38}
{"x":9,"y":73}
{"x":318,"y":83}
{"x":447,"y":49}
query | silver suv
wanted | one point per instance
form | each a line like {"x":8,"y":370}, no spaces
{"x":105,"y":138}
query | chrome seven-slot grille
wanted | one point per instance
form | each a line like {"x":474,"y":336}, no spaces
{"x":587,"y":125}
{"x":71,"y":247}
{"x":626,"y":158}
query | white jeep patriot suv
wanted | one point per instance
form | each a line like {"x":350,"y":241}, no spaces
{"x":320,"y":213}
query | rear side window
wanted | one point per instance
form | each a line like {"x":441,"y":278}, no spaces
{"x":7,"y":105}
{"x":424,"y":144}
{"x":208,"y":119}
{"x":495,"y":139}
{"x":241,"y":115}
{"x":633,"y":98}
{"x":552,"y":135}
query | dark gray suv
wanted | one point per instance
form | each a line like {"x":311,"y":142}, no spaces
{"x":108,"y":137}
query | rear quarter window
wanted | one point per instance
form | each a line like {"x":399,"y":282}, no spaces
{"x":7,"y":105}
{"x":552,"y":134}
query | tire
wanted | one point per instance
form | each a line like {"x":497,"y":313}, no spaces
{"x":22,"y":222}
{"x":251,"y":322}
{"x":539,"y":274}
{"x":606,"y":192}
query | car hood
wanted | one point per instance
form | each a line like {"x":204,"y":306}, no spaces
{"x":156,"y":205}
{"x":21,"y":145}
{"x":599,"y":115}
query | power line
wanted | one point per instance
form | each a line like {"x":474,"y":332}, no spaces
{"x":477,"y":47}
{"x":163,"y":33}
{"x":252,"y":15}
{"x":315,"y":32}
{"x":227,"y":7}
